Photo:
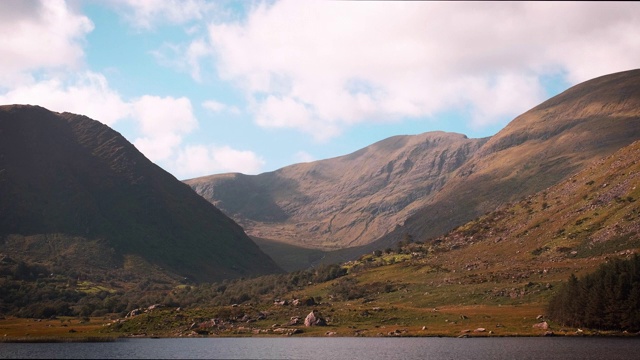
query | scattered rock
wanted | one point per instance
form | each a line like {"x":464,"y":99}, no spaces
{"x":479,"y":330}
{"x":132,"y":313}
{"x":543,"y":325}
{"x":295,"y":320}
{"x":304,"y":302}
{"x":287,"y":331}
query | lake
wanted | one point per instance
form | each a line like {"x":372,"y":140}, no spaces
{"x":583,"y":348}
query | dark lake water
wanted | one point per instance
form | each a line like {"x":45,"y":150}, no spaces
{"x":335,"y":348}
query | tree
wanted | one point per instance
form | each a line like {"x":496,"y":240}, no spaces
{"x":608,"y":299}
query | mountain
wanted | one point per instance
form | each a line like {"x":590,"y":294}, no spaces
{"x":577,"y":224}
{"x":536,"y":150}
{"x":75,"y":192}
{"x":425,"y":185}
{"x":495,"y":274}
{"x":345,"y":201}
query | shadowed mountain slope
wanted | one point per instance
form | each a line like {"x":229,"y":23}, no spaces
{"x":67,"y":177}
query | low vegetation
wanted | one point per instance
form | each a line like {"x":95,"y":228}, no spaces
{"x":494,"y":276}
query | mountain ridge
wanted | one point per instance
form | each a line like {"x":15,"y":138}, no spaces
{"x":364,"y":183}
{"x":537,"y":149}
{"x":68,"y":174}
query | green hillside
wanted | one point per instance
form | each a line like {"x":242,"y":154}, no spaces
{"x":493,"y":276}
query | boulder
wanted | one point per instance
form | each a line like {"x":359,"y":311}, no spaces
{"x":314,"y":319}
{"x":543,"y":325}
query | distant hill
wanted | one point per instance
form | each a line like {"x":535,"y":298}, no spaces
{"x":425,"y":185}
{"x":76,"y":193}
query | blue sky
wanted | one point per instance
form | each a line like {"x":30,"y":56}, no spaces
{"x":206,"y":87}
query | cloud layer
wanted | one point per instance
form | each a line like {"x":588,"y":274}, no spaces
{"x":321,"y":66}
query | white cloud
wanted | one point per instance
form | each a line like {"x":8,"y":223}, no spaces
{"x":159,"y":148}
{"x":163,"y":122}
{"x":186,"y":59}
{"x":38,"y":35}
{"x":321,"y":66}
{"x":493,"y":99}
{"x":200,"y":159}
{"x":85,"y":93}
{"x":218,"y":107}
{"x":146,"y":14}
{"x":302,"y":157}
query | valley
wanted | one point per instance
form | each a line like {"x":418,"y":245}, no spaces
{"x":427,"y":235}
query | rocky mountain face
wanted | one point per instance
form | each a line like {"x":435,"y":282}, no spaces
{"x":345,"y":201}
{"x":537,"y":149}
{"x":425,"y":185}
{"x":72,"y":188}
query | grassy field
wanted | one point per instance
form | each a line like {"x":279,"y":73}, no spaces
{"x":60,"y":329}
{"x":388,"y":295}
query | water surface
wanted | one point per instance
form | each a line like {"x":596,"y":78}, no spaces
{"x":585,"y":348}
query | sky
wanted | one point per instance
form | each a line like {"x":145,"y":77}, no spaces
{"x":208,"y":87}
